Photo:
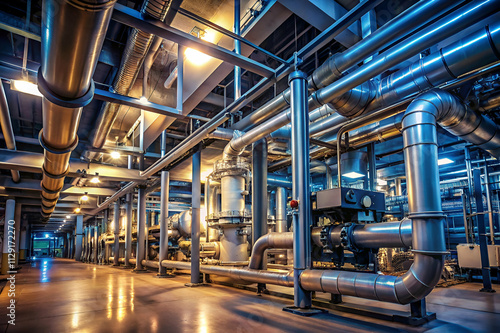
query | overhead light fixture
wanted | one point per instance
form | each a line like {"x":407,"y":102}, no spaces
{"x":143,"y":100}
{"x":444,"y":161}
{"x":95,"y":179}
{"x":85,"y":197}
{"x":25,"y":87}
{"x":64,"y":221}
{"x":77,"y":210}
{"x":68,"y":216}
{"x":194,"y":56}
{"x":115,"y":154}
{"x":381,"y":182}
{"x":353,"y":175}
{"x":46,"y":235}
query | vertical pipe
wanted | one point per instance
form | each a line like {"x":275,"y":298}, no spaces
{"x":481,"y":229}
{"x":259,"y":189}
{"x":300,"y":175}
{"x":141,"y":228}
{"x":488,"y":201}
{"x":17,"y":219}
{"x":208,"y":208}
{"x":116,"y":222}
{"x":163,"y":252}
{"x":10,"y":207}
{"x":22,"y":242}
{"x":96,"y":243}
{"x":281,"y":225}
{"x":180,"y":77}
{"x":468,"y":166}
{"x":195,"y":216}
{"x":398,"y":189}
{"x":464,"y":212}
{"x":372,"y":167}
{"x":7,"y":130}
{"x":237,"y":50}
{"x":128,"y":219}
{"x":79,"y":237}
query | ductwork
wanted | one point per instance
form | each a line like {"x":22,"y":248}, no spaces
{"x":404,"y":24}
{"x":72,"y":35}
{"x":273,"y":240}
{"x":471,"y":52}
{"x":7,"y":130}
{"x":444,"y":28}
{"x":138,"y":45}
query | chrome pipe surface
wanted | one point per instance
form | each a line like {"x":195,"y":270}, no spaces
{"x":300,"y":186}
{"x":281,"y":202}
{"x":164,"y":197}
{"x":259,"y":190}
{"x":141,"y":228}
{"x":195,"y":218}
{"x":273,"y":240}
{"x":116,"y":222}
{"x":128,"y":220}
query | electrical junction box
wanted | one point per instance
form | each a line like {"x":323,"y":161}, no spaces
{"x":350,"y":198}
{"x":469,"y":255}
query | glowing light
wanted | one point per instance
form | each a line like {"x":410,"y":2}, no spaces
{"x":381,"y":182}
{"x":143,"y":100}
{"x":46,"y":235}
{"x":95,"y":180}
{"x":68,"y":216}
{"x":115,"y":154}
{"x":353,"y":175}
{"x":199,"y":58}
{"x":25,"y":87}
{"x":444,"y":161}
{"x":85,"y":197}
{"x":77,"y":210}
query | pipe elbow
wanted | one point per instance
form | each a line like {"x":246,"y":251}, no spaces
{"x":274,"y":240}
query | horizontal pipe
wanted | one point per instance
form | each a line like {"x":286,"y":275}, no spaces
{"x":273,"y":240}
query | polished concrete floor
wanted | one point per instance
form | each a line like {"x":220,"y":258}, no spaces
{"x":64,"y":296}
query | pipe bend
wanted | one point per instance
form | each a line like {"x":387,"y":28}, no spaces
{"x":273,"y":240}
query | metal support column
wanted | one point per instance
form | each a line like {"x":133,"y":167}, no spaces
{"x":180,"y":77}
{"x":128,"y":219}
{"x":488,"y":201}
{"x":372,"y":167}
{"x":237,"y":49}
{"x":301,"y":200}
{"x":481,"y":229}
{"x":116,"y":223}
{"x":259,"y":189}
{"x":141,"y":229}
{"x":17,"y":219}
{"x":195,"y":218}
{"x":79,"y":237}
{"x":164,"y":197}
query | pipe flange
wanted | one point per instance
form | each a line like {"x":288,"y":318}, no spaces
{"x":323,"y":237}
{"x":53,"y":150}
{"x":72,"y":103}
{"x":52,"y":176}
{"x":56,"y":191}
{"x":346,"y":237}
{"x":48,"y":200}
{"x":426,"y":215}
{"x":430,"y":253}
{"x":48,"y":207}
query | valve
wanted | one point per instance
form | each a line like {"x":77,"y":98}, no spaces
{"x":294,"y":204}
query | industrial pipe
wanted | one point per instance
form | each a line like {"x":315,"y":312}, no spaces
{"x":273,"y":240}
{"x":259,"y":190}
{"x":281,"y":202}
{"x":7,"y":130}
{"x":116,"y":222}
{"x":72,"y":36}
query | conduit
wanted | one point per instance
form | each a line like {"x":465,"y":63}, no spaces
{"x":72,"y":35}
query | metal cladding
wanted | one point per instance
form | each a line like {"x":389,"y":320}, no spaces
{"x":273,"y":240}
{"x":138,"y":45}
{"x":72,"y":35}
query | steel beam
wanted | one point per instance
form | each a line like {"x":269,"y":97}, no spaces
{"x":133,"y":18}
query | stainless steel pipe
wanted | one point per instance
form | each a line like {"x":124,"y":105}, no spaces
{"x":273,"y":240}
{"x":259,"y":190}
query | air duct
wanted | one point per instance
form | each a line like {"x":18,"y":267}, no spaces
{"x":72,"y":35}
{"x":136,"y":49}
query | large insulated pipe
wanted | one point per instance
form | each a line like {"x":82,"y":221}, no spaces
{"x":424,"y":201}
{"x":404,"y":24}
{"x":300,"y":188}
{"x":7,"y":130}
{"x":136,"y":49}
{"x":476,"y":50}
{"x":281,"y":201}
{"x":141,"y":229}
{"x":366,"y":236}
{"x":444,"y":28}
{"x":249,"y":275}
{"x":116,"y":222}
{"x":72,"y":35}
{"x":195,"y":217}
{"x":259,"y":190}
{"x":273,"y":240}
